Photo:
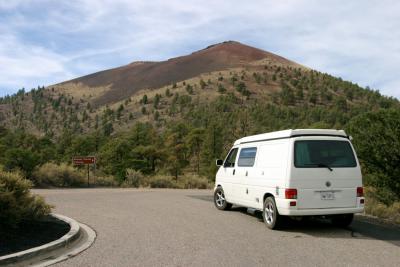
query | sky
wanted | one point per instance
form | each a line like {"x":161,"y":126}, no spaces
{"x":44,"y":42}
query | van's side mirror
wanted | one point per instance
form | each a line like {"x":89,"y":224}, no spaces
{"x":350,"y":138}
{"x":219,"y":162}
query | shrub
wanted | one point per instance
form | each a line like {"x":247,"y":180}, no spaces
{"x":162,"y":182}
{"x":376,"y":208}
{"x":377,"y":141}
{"x":184,"y":182}
{"x":105,"y":180}
{"x":16,"y":201}
{"x":132,"y":178}
{"x":194,"y":182}
{"x":62,"y":175}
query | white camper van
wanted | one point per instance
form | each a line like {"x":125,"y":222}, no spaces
{"x":298,"y":172}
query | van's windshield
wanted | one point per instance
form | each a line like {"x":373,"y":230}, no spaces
{"x":323,"y":154}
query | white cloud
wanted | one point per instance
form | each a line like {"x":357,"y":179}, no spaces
{"x":356,"y":40}
{"x":24,"y":65}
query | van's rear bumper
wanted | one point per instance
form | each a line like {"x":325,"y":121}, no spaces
{"x":311,"y":212}
{"x":285,"y":209}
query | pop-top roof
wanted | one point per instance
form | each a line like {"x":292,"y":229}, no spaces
{"x":290,"y":133}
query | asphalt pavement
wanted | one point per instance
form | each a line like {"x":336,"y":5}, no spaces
{"x":144,"y":227}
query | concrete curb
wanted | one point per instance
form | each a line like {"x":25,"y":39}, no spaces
{"x":64,"y":241}
{"x":90,"y":237}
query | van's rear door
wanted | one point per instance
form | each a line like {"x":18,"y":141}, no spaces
{"x":326,"y":174}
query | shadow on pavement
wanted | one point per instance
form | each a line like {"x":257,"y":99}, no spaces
{"x":361,"y":228}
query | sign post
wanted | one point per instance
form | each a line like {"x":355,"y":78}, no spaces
{"x":88,"y":160}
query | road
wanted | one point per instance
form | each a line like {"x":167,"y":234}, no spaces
{"x":143,"y":227}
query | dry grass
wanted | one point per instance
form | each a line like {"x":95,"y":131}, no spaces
{"x":375,"y":208}
{"x":137,"y":179}
{"x":79,"y":90}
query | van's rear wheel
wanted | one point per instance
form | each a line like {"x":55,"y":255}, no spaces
{"x":270,"y":214}
{"x":220,"y":201}
{"x":342,"y":220}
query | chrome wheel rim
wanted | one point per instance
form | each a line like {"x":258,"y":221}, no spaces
{"x":220,"y":199}
{"x":269,"y":213}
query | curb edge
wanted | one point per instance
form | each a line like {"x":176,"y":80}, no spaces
{"x":64,"y":241}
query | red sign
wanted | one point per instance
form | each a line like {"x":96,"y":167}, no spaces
{"x":83,"y":160}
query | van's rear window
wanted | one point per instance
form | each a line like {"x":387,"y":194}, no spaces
{"x":323,"y":153}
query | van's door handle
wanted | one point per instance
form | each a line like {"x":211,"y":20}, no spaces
{"x":233,"y":173}
{"x":246,"y":173}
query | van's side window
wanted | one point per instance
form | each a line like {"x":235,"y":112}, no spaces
{"x":230,"y":160}
{"x":247,"y":157}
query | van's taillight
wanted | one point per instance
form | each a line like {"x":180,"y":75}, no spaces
{"x":360,"y":192}
{"x":291,"y":193}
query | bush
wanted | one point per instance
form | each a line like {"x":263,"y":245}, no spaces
{"x":132,"y":179}
{"x":162,"y":182}
{"x":194,"y":182}
{"x":184,"y":182}
{"x":376,"y":208}
{"x":377,"y":141}
{"x":62,"y":175}
{"x":16,"y":201}
{"x":105,"y":180}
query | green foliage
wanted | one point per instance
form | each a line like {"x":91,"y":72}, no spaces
{"x":156,"y":101}
{"x":16,"y":201}
{"x":108,"y":129}
{"x":144,"y":100}
{"x":20,"y":159}
{"x":176,"y":149}
{"x":203,"y":84}
{"x":242,"y":88}
{"x":120,"y":111}
{"x":377,"y":141}
{"x":287,"y":95}
{"x":221,"y":89}
{"x":189,"y":89}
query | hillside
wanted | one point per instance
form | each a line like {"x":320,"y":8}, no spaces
{"x":238,"y":75}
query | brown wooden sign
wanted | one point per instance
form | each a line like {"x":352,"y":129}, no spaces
{"x":84,"y":160}
{"x":79,"y":160}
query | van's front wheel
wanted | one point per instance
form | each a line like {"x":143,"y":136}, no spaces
{"x":270,"y":214}
{"x":220,"y":200}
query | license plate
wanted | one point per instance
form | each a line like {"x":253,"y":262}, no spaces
{"x":327,"y":195}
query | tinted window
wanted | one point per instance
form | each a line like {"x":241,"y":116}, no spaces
{"x":322,"y":153}
{"x":247,"y":157}
{"x":231,"y":158}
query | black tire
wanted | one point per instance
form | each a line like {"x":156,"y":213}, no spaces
{"x":342,"y":220}
{"x":271,"y":215}
{"x":220,"y":201}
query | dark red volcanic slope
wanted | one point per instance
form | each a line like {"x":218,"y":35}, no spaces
{"x":128,"y":79}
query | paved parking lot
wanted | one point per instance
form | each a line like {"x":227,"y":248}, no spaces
{"x":143,"y":227}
